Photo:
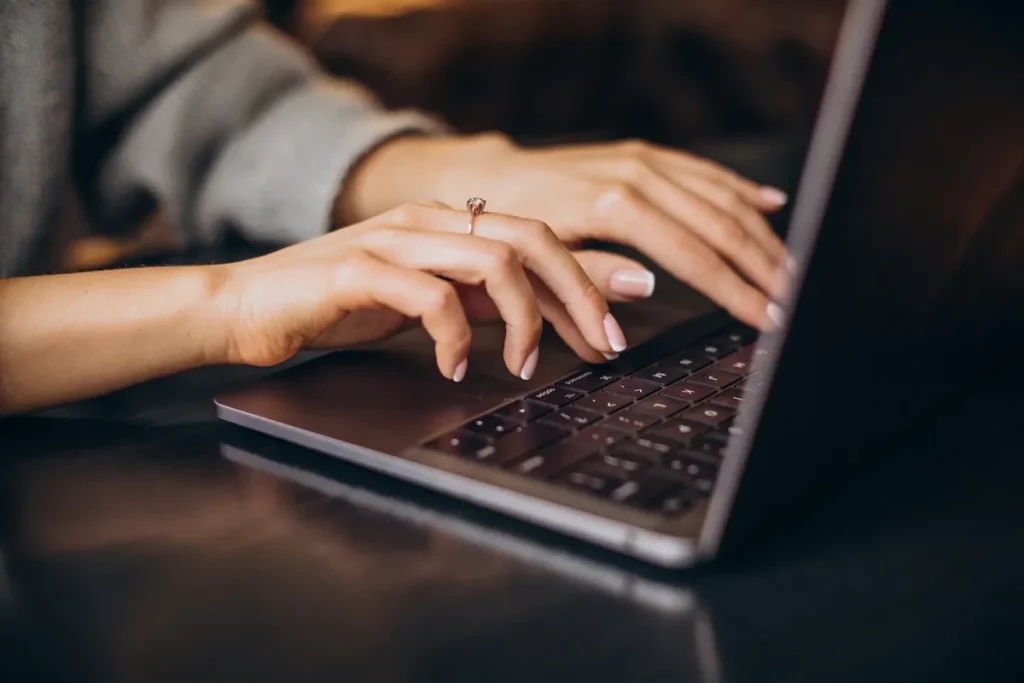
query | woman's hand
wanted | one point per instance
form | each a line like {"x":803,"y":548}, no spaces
{"x":69,"y":337}
{"x":368,"y":280}
{"x":698,"y":220}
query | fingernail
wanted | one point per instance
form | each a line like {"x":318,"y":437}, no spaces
{"x":635,"y":284}
{"x":530,"y":365}
{"x":775,"y":314}
{"x":460,"y":370}
{"x":616,"y":337}
{"x":609,"y":356}
{"x":790,"y":265}
{"x":775,"y":196}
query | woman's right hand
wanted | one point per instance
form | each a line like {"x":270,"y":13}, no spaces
{"x":368,"y":281}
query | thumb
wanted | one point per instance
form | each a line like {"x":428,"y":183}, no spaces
{"x":619,"y":278}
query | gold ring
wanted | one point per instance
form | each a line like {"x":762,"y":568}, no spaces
{"x":475,"y":206}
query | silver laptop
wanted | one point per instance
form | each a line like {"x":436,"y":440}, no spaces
{"x":908,"y":229}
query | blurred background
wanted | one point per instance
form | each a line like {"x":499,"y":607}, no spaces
{"x":736,"y":80}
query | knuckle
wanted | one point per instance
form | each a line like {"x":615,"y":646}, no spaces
{"x":504,"y":258}
{"x":352,"y":271}
{"x":616,"y":199}
{"x":734,"y":203}
{"x":634,"y":170}
{"x":634,"y":147}
{"x":462,"y":341}
{"x":406,"y":214}
{"x":592,"y":295}
{"x":536,"y":230}
{"x":439,"y":298}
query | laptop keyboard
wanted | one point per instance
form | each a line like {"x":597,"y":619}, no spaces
{"x":645,"y":434}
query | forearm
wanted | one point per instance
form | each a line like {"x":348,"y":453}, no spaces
{"x":69,"y":337}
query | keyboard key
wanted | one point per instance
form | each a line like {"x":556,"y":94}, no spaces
{"x":571,"y":417}
{"x":712,"y":444}
{"x":457,"y":443}
{"x":551,"y":460}
{"x":590,"y":380}
{"x":525,"y":439}
{"x":690,"y":361}
{"x":556,"y":396}
{"x":693,"y":468}
{"x":625,"y":462}
{"x":675,"y":501}
{"x":738,"y":362}
{"x":600,"y":436}
{"x":629,"y":420}
{"x":742,"y":335}
{"x":587,"y":479}
{"x":713,"y":377}
{"x":717,"y":347}
{"x":661,"y":406}
{"x":524,"y":411}
{"x":602,"y":402}
{"x":634,"y":388}
{"x":734,"y":430}
{"x":651,"y":450}
{"x":661,"y":374}
{"x":730,"y":398}
{"x":709,"y":414}
{"x":678,"y":429}
{"x":491,"y":426}
{"x":641,"y":490}
{"x":687,"y":391}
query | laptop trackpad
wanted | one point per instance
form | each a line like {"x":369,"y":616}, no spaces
{"x":386,"y":400}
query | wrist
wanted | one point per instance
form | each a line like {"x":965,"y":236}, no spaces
{"x":213,"y":317}
{"x":417,"y":169}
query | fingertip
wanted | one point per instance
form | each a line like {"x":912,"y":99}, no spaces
{"x":773,"y":198}
{"x":776,"y":316}
{"x":530,"y":366}
{"x":459,"y":373}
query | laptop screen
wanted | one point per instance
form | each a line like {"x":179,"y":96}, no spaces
{"x":915,"y":288}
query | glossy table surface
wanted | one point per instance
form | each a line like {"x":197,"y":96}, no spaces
{"x":175,"y":548}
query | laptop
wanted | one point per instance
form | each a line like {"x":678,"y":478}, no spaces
{"x":908,"y":232}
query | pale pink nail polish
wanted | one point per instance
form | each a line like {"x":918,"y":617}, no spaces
{"x":776,"y":315}
{"x":616,"y":337}
{"x":530,"y":365}
{"x":633,"y":284}
{"x":460,"y":370}
{"x":774,"y":196}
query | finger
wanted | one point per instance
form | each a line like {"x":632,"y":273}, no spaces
{"x":764,"y":197}
{"x":682,"y":253}
{"x":362,"y":281}
{"x":473,"y":261}
{"x":555,"y":313}
{"x":618,"y":277}
{"x":730,"y":201}
{"x":542,"y":253}
{"x":676,"y":208}
{"x":479,"y":306}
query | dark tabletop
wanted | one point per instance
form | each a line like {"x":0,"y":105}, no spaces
{"x":185,"y":550}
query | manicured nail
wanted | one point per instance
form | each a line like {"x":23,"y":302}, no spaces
{"x":635,"y":284}
{"x":774,"y":196}
{"x":609,"y":356}
{"x":460,"y":370}
{"x":775,"y":314}
{"x":616,"y":337}
{"x":791,"y":265}
{"x":530,"y":365}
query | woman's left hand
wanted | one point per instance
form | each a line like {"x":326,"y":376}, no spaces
{"x":700,"y":221}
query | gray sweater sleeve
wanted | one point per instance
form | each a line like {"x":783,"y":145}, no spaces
{"x":200,"y":108}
